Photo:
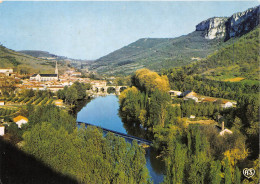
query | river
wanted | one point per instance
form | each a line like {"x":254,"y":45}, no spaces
{"x":103,"y":112}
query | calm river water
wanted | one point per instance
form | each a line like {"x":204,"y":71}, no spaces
{"x":103,"y":112}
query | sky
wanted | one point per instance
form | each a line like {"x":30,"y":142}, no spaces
{"x":90,"y":30}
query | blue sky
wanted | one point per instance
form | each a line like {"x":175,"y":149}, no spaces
{"x":89,"y":30}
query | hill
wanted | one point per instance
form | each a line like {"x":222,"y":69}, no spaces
{"x":41,"y":54}
{"x":77,"y":63}
{"x":235,"y":65}
{"x":23,"y":63}
{"x":239,"y":60}
{"x":158,"y":53}
{"x":26,"y":64}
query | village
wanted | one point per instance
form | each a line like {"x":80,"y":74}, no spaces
{"x":55,"y":82}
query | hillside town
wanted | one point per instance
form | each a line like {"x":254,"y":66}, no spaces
{"x":52,"y":82}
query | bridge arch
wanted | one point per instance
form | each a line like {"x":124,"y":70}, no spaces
{"x":111,"y":89}
{"x":108,"y":89}
{"x":122,"y":88}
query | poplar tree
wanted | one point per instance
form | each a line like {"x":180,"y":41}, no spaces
{"x":215,"y":172}
{"x":237,"y":178}
{"x":227,"y":172}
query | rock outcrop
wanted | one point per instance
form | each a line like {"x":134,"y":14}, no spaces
{"x":236,"y":25}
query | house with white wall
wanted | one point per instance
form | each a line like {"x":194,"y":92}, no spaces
{"x":226,"y":104}
{"x":19,"y":120}
{"x":2,"y":130}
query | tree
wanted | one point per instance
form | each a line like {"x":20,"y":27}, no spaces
{"x":71,"y":96}
{"x":215,"y":172}
{"x":227,"y":171}
{"x":80,"y":88}
{"x":198,"y":168}
{"x":130,"y":102}
{"x":51,"y":114}
{"x":15,"y":132}
{"x":175,"y":163}
{"x":158,"y":107}
{"x":148,"y":81}
{"x":237,"y":178}
{"x":61,"y":94}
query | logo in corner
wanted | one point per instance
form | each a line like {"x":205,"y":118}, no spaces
{"x":248,"y":172}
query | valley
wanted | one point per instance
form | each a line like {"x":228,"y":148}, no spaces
{"x":160,"y":110}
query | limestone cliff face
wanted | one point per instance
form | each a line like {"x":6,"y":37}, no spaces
{"x":243,"y":22}
{"x":236,"y":25}
{"x":213,"y":27}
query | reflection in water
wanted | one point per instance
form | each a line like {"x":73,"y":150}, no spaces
{"x":79,"y":105}
{"x":157,"y":163}
{"x":104,"y":112}
{"x":134,"y":128}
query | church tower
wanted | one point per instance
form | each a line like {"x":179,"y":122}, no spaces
{"x":56,"y":69}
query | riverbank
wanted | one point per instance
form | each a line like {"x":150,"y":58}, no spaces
{"x":103,"y":111}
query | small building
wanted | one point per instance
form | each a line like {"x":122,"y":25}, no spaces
{"x":2,"y":103}
{"x":225,"y":131}
{"x":222,"y":130}
{"x":6,"y":71}
{"x":76,"y":74}
{"x":19,"y":120}
{"x":226,"y":104}
{"x":188,"y":94}
{"x":58,"y":103}
{"x":192,"y":117}
{"x":2,"y":130}
{"x":174,"y":93}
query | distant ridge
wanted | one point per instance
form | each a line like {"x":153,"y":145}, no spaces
{"x":160,"y":53}
{"x":41,"y":54}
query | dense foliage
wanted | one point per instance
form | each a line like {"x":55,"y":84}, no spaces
{"x":148,"y":81}
{"x":245,"y":64}
{"x":86,"y":155}
{"x":193,"y":154}
{"x":146,"y":100}
{"x":51,"y":136}
{"x":73,"y":93}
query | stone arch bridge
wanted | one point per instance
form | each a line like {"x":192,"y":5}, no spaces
{"x":104,"y":89}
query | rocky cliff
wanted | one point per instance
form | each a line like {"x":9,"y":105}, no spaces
{"x":227,"y":27}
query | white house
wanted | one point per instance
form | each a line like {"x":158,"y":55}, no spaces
{"x":6,"y":71}
{"x":175,"y":93}
{"x":19,"y":120}
{"x":224,"y":130}
{"x":58,"y":103}
{"x":226,"y":104}
{"x":2,"y":130}
{"x":192,"y":117}
{"x":2,"y":103}
{"x":76,"y":74}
